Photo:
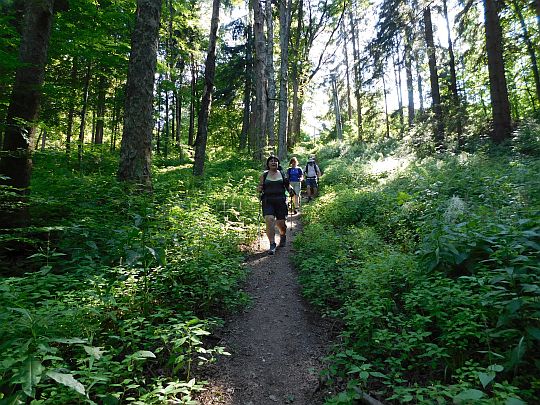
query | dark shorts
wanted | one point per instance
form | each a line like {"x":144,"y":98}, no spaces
{"x":311,"y":182}
{"x":276,"y":207}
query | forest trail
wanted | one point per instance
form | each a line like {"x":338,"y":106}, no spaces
{"x":276,"y":345}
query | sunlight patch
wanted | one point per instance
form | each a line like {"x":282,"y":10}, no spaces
{"x":388,"y":164}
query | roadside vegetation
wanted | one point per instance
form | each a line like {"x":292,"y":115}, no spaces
{"x":430,"y":268}
{"x":117,"y":292}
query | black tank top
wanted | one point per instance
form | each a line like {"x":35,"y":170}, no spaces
{"x":274,"y":188}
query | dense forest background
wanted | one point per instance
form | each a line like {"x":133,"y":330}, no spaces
{"x":132,"y":139}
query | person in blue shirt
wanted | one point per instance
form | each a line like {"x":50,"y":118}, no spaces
{"x":295,"y":175}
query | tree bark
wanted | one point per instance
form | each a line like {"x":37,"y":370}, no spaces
{"x":409,"y":79}
{"x":191,"y":131}
{"x":248,"y":73}
{"x":530,"y":48}
{"x":434,"y":80}
{"x":284,"y":31}
{"x":270,"y":74}
{"x":101,"y":110}
{"x":260,"y":82}
{"x":209,"y":74}
{"x":500,"y":105}
{"x":357,"y":77}
{"x":71,"y":111}
{"x":84,"y":108}
{"x":135,"y":152}
{"x":453,"y":79}
{"x":347,"y":69}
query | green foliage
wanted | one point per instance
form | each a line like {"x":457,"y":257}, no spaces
{"x":116,"y":302}
{"x":431,"y":269}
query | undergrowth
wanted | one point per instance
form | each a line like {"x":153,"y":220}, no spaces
{"x":112,"y":295}
{"x":432,"y":268}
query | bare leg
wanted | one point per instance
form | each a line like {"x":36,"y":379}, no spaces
{"x":270,"y":228}
{"x":282,"y":226}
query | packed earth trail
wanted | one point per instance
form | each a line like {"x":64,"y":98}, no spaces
{"x":277,"y":344}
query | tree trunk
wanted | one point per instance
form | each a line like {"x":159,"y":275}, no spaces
{"x":387,"y":120}
{"x":397,"y":78}
{"x":71,"y":111}
{"x":166,"y":126}
{"x":23,"y":110}
{"x":248,"y":73}
{"x":270,"y":76}
{"x":136,"y":152}
{"x":80,"y":143}
{"x":453,"y":79}
{"x":260,"y":82}
{"x":434,"y":80}
{"x":419,"y":84}
{"x":530,"y":48}
{"x":337,"y":113}
{"x":209,"y":74}
{"x":101,"y":110}
{"x":191,"y":132}
{"x":409,"y":79}
{"x":357,"y":77}
{"x":347,"y":70}
{"x":500,"y":105}
{"x":284,"y":32}
{"x":294,"y":125}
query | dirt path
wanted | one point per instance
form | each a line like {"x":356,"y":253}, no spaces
{"x":277,"y":344}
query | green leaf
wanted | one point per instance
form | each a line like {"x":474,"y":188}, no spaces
{"x":514,"y":401}
{"x":68,"y":380}
{"x":486,"y":378}
{"x":534,"y":332}
{"x":144,"y":354}
{"x":70,"y":341}
{"x":468,"y":395}
{"x":95,"y":352}
{"x":30,"y":374}
{"x":496,"y":367}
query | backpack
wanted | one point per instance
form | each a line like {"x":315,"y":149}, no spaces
{"x":311,"y":170}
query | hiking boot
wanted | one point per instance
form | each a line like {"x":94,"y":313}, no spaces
{"x":272,"y":249}
{"x":282,"y":240}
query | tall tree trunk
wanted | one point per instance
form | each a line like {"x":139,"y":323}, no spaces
{"x":397,"y":78}
{"x":357,"y":76}
{"x":347,"y":69}
{"x":453,"y":78}
{"x":284,"y":32}
{"x":270,"y":76}
{"x":71,"y":111}
{"x":419,"y":84}
{"x":409,"y":79}
{"x":386,"y":118}
{"x":530,"y":48}
{"x":500,"y":105}
{"x":260,"y":82}
{"x":166,"y":126}
{"x":337,"y":112}
{"x":434,"y":80}
{"x":209,"y":74}
{"x":294,"y":125}
{"x":84,"y":108}
{"x":136,"y":152}
{"x":23,"y":110}
{"x":101,"y":110}
{"x":193,"y":95}
{"x":248,"y":74}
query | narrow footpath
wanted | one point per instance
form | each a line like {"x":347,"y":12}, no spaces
{"x":276,"y":345}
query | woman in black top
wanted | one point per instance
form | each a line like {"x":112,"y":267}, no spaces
{"x":273,"y":185}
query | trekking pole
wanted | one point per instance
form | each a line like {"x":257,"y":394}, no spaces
{"x":259,"y":208}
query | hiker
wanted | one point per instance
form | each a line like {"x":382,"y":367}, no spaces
{"x":295,"y":175}
{"x":273,"y":184}
{"x":312,"y":174}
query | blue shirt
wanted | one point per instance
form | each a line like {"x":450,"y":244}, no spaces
{"x":295,"y":173}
